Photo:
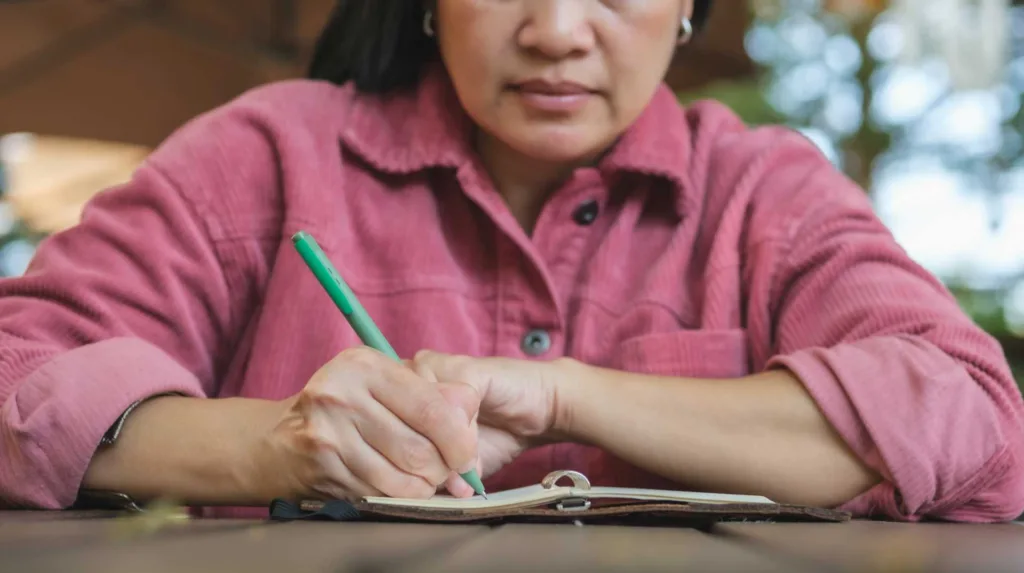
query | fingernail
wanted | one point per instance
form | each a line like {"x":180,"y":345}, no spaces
{"x":464,"y":489}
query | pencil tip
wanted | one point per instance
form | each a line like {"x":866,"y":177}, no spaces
{"x":483,"y":493}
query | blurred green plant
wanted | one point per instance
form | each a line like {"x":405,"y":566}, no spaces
{"x":744,"y":96}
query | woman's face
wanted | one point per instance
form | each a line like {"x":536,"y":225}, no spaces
{"x":557,"y":80}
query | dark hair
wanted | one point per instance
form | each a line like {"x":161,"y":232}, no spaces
{"x":380,"y":45}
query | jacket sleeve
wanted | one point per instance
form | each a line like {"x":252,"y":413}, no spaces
{"x":913,"y":386}
{"x":131,"y":303}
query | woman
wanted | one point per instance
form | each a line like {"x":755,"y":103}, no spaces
{"x":582,"y":274}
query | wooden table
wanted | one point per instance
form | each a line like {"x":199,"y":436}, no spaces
{"x":109,"y":543}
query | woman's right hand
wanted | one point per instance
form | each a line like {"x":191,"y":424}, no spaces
{"x":367,"y":425}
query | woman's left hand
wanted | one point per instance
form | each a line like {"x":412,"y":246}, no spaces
{"x":518,"y":404}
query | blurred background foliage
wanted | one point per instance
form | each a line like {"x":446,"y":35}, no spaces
{"x":934,"y":134}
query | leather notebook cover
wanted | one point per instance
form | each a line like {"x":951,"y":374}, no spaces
{"x":549,"y":502}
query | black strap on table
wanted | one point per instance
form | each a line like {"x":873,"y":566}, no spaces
{"x":337,"y":510}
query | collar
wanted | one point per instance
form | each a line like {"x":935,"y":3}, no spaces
{"x":425,"y":128}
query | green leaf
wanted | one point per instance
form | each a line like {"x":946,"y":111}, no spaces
{"x":744,"y":97}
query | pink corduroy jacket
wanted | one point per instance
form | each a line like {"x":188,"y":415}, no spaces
{"x":696,"y":248}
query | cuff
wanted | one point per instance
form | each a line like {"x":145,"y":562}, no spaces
{"x":811,"y":368}
{"x":52,"y":424}
{"x":911,"y":413}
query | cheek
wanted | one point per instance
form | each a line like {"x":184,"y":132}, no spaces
{"x":473,"y":37}
{"x":472,"y":63}
{"x":631,"y":95}
{"x":638,"y":68}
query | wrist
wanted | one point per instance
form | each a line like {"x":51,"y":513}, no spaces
{"x":194,"y":451}
{"x":260,"y":474}
{"x":569,"y":380}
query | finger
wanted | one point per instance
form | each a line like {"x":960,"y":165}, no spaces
{"x":498,"y":448}
{"x":457,"y":393}
{"x":378,"y":472}
{"x":462,"y":396}
{"x":405,"y":448}
{"x":339,"y":482}
{"x":423,"y":408}
{"x":328,"y":474}
{"x":441,"y":367}
{"x":458,"y":486}
{"x":454,"y":382}
{"x":422,"y":369}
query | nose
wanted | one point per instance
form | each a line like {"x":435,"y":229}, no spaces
{"x":557,"y":29}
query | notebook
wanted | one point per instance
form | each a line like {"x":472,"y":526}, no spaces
{"x":563,"y":496}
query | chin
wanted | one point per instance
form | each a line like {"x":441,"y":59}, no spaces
{"x":558,"y":146}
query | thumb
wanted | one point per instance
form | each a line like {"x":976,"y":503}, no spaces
{"x":458,"y":487}
{"x":462,"y":396}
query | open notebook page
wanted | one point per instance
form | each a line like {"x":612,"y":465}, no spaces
{"x":538,"y":495}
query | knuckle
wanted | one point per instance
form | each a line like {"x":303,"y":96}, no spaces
{"x":417,"y":455}
{"x":423,"y":356}
{"x":461,"y":369}
{"x":327,"y":379}
{"x":423,"y":370}
{"x":360,"y":355}
{"x":443,"y":365}
{"x":435,"y":414}
{"x":328,"y":397}
{"x":320,"y":380}
{"x":316,"y":435}
{"x":311,"y":443}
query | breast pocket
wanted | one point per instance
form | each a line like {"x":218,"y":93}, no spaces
{"x":687,"y":353}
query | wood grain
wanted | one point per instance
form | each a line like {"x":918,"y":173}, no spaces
{"x":250,"y":548}
{"x":868,"y":546}
{"x":599,"y":548}
{"x":110,"y":543}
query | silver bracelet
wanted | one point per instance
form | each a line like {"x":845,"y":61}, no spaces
{"x":111,"y":435}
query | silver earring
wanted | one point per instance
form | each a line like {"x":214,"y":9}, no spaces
{"x":685,"y":31}
{"x":428,"y":23}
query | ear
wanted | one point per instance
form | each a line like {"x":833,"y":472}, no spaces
{"x":685,"y":9}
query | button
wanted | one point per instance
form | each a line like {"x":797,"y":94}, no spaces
{"x":536,"y":342}
{"x":586,"y":213}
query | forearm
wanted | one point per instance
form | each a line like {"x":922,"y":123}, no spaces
{"x":760,"y":435}
{"x":189,"y":450}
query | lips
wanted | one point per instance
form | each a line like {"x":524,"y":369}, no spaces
{"x":542,"y":87}
{"x":557,"y":98}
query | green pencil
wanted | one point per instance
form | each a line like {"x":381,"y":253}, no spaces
{"x":354,"y":312}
